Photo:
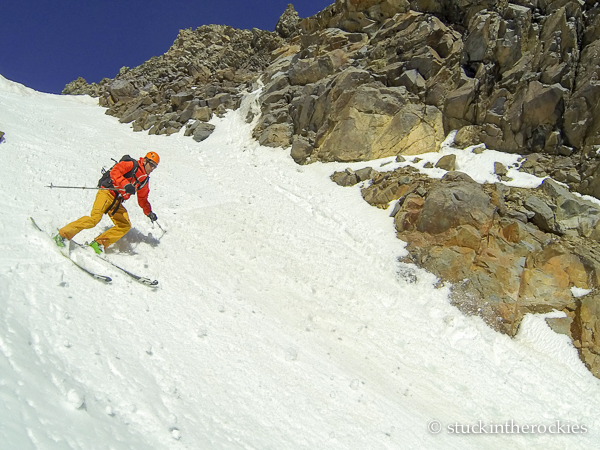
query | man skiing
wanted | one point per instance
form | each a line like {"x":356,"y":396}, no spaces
{"x":126,"y":178}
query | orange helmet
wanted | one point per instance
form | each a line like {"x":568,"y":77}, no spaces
{"x":152,"y":158}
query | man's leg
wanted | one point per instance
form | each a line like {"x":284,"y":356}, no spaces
{"x":103,"y":200}
{"x":122,"y":226}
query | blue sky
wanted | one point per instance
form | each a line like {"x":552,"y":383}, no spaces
{"x":45,"y":44}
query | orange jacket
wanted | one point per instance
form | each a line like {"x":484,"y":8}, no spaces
{"x":140,"y":181}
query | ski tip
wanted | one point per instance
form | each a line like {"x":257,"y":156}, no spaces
{"x":148,"y":282}
{"x":35,"y":224}
{"x":103,"y":278}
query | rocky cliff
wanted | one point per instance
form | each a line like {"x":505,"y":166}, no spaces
{"x":367,"y":79}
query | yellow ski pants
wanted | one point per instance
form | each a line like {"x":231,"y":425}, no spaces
{"x":119,"y":217}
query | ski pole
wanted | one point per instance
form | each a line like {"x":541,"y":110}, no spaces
{"x":161,"y":229}
{"x":81,"y":187}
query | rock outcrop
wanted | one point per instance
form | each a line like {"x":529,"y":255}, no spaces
{"x":518,"y":76}
{"x":204,"y":72}
{"x":506,"y":251}
{"x":360,"y":84}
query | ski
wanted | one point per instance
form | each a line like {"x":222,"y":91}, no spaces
{"x":143,"y":280}
{"x":96,"y":276}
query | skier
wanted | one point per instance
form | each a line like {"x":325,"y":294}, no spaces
{"x":124,"y":179}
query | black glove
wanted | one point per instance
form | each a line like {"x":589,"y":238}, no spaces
{"x":152,"y":216}
{"x":130,"y":189}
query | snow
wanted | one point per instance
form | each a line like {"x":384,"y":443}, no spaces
{"x":476,"y":160}
{"x":579,"y":292}
{"x":282,"y":319}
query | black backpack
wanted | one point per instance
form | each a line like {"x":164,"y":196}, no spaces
{"x":106,"y":182}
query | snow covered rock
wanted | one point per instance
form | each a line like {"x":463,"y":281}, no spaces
{"x":76,"y":398}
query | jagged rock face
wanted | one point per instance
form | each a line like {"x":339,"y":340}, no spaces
{"x":205,"y":68}
{"x":523,"y":65}
{"x":519,"y":76}
{"x":368,"y":90}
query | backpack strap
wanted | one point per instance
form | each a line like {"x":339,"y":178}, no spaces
{"x":114,"y":206}
{"x":133,"y":171}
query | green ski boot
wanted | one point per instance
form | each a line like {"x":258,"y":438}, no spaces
{"x":98,"y":248}
{"x":60,"y":241}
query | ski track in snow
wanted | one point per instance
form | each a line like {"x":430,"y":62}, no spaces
{"x":282,"y":319}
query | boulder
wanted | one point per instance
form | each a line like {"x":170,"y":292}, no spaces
{"x":178,"y":100}
{"x":543,"y":105}
{"x":306,"y":71}
{"x":276,"y":135}
{"x":199,"y":129}
{"x":224,"y":99}
{"x":411,"y":79}
{"x":136,"y":110}
{"x":397,"y":185}
{"x":543,"y":215}
{"x":193,"y":111}
{"x":500,"y":169}
{"x":459,"y":109}
{"x":202,"y":131}
{"x":375,"y":122}
{"x":453,"y":202}
{"x":121,"y":90}
{"x":301,"y":150}
{"x":572,"y":212}
{"x":447,"y":162}
{"x":350,"y":177}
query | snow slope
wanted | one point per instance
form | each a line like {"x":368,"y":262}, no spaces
{"x":282,"y":320}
